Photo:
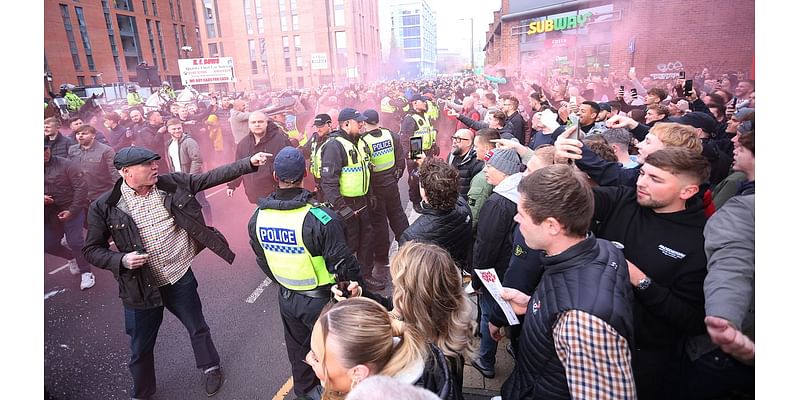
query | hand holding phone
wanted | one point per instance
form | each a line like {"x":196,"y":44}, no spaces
{"x":634,"y":93}
{"x":416,"y":148}
{"x":688,"y":87}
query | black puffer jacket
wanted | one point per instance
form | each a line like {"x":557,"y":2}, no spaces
{"x":107,"y":219}
{"x":450,"y":230}
{"x":468,"y":166}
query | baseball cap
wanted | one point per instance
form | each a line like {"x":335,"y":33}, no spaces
{"x":371,"y":117}
{"x":605,"y":106}
{"x":417,"y":97}
{"x":133,"y":156}
{"x":699,"y":120}
{"x":290,"y":165}
{"x":350,"y":113}
{"x":321,"y":119}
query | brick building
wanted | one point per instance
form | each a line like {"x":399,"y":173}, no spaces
{"x":93,"y":43}
{"x":601,"y":37}
{"x":272,"y":41}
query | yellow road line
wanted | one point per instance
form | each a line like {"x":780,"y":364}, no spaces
{"x":284,"y":390}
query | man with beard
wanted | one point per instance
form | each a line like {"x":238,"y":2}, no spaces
{"x":263,"y":137}
{"x":463,"y":157}
{"x":96,"y":160}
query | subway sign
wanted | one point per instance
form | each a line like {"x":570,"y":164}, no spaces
{"x":559,"y":24}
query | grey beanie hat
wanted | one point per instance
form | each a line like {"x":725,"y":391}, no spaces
{"x":506,"y":161}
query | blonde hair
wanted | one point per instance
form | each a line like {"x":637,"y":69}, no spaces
{"x":429,"y":297}
{"x":365,"y":335}
{"x":677,"y":135}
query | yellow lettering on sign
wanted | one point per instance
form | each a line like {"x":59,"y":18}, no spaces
{"x":531,"y":28}
{"x":548,"y":25}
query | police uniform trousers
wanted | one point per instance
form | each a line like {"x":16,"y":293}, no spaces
{"x":298,"y":314}
{"x":388,"y":211}
{"x":358,"y":230}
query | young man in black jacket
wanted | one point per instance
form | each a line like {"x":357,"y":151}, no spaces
{"x":662,"y":235}
{"x":492,"y":247}
{"x":157,"y":226}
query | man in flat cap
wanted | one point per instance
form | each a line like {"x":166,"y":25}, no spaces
{"x":157,"y":226}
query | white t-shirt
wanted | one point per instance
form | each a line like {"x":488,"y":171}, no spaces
{"x":173,"y":155}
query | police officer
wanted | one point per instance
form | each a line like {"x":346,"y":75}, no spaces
{"x":415,"y":124}
{"x":134,"y":98}
{"x":166,"y":93}
{"x":74,"y":103}
{"x":345,"y":183}
{"x":388,"y":160}
{"x":313,"y":150}
{"x":391,"y":109}
{"x":301,"y":246}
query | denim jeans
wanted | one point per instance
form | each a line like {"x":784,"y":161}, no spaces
{"x":73,"y":228}
{"x":488,"y":348}
{"x":182,"y":300}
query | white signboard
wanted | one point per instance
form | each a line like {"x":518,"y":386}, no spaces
{"x":319,"y":61}
{"x":199,"y":71}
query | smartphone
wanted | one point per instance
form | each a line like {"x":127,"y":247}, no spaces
{"x":687,"y":88}
{"x":622,"y":88}
{"x":735,"y":100}
{"x":634,"y":93}
{"x":416,"y":147}
{"x":682,"y":74}
{"x":574,"y":121}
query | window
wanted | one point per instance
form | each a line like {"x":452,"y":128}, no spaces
{"x":87,"y":46}
{"x":338,"y":12}
{"x":95,"y":80}
{"x":126,"y":5}
{"x":152,"y":41}
{"x":413,"y":31}
{"x":248,"y":17}
{"x":180,"y":11}
{"x":210,"y":18}
{"x":262,"y":46}
{"x":251,"y":44}
{"x":289,"y":84}
{"x":411,"y":42}
{"x":144,"y":6}
{"x":282,"y":13}
{"x":73,"y":48}
{"x":130,"y":41}
{"x":177,"y":39}
{"x":172,"y":9}
{"x":413,"y":53}
{"x":287,"y":60}
{"x":183,"y":35}
{"x":259,"y":17}
{"x":112,"y":39}
{"x":161,"y":45}
{"x":81,"y":81}
{"x":411,"y":20}
{"x":300,"y":82}
{"x":213,"y":50}
{"x":298,"y":55}
{"x":155,"y":8}
{"x":295,"y":17}
{"x":341,"y":49}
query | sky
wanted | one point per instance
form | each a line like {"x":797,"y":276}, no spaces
{"x":453,"y":34}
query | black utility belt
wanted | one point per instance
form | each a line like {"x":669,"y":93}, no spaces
{"x":321,"y":292}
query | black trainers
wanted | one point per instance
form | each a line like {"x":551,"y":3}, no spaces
{"x":486,"y":372}
{"x":214,"y":380}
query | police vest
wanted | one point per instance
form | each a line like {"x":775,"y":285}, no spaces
{"x":424,"y":130}
{"x":280,"y":233}
{"x":354,"y":179}
{"x":316,"y":157}
{"x":134,"y":99}
{"x":381,"y":150}
{"x":433,"y":110}
{"x":73,"y":101}
{"x":386,"y":106}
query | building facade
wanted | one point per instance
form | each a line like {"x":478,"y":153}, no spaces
{"x":101,"y":43}
{"x":414,"y":33}
{"x":273,"y":42}
{"x":582,"y":37}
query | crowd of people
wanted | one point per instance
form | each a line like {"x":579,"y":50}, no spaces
{"x":621,"y":223}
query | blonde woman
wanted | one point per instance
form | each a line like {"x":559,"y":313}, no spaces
{"x":429,"y":301}
{"x":357,"y":338}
